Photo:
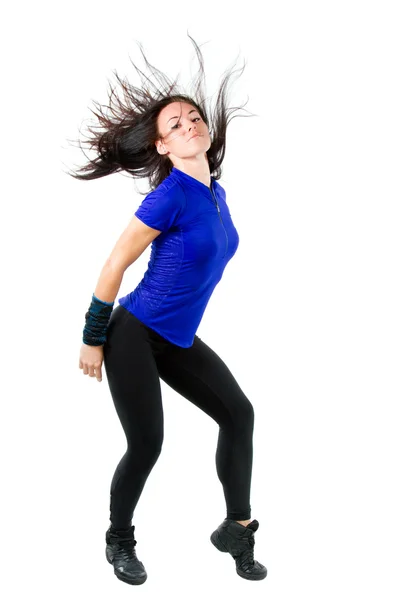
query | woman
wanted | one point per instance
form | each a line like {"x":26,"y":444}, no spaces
{"x":165,"y":136}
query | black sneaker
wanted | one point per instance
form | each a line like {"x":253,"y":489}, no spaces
{"x":121,"y":553}
{"x":239,"y":541}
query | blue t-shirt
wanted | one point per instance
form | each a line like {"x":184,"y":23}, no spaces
{"x":187,"y":259}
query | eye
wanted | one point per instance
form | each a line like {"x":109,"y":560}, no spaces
{"x":196,"y":118}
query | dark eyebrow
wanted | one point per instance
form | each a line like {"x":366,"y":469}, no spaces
{"x":194,"y":110}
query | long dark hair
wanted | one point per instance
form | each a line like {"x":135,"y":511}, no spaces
{"x":125,"y":140}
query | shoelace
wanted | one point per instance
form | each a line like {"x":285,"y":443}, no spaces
{"x":125,"y":548}
{"x":246,"y":559}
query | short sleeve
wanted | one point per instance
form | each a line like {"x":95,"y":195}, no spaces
{"x":161,"y":208}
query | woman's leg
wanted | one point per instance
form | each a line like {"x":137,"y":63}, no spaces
{"x":136,"y":392}
{"x":198,"y":374}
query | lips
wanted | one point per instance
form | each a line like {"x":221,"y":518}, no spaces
{"x":194,"y":136}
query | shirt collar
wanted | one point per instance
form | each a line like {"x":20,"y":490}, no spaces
{"x":192,"y":182}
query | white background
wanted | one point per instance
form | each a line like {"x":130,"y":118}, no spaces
{"x":306,"y":315}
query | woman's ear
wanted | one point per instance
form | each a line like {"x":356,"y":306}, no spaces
{"x":161,"y":149}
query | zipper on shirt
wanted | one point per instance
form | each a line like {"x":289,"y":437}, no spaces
{"x":219,"y":212}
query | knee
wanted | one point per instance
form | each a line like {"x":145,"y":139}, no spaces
{"x":250,"y":413}
{"x":152,"y":446}
{"x":245,"y":416}
{"x":145,"y":447}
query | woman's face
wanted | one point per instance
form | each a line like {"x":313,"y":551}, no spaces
{"x":177,"y":123}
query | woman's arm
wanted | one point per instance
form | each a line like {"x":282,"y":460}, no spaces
{"x":132,"y":243}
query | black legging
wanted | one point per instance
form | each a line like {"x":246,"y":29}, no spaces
{"x":135,"y":357}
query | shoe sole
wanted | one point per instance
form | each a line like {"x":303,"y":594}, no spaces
{"x":216,"y":541}
{"x":124,"y":578}
{"x":250,"y":576}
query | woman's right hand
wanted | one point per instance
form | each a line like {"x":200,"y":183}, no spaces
{"x":90,"y":360}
